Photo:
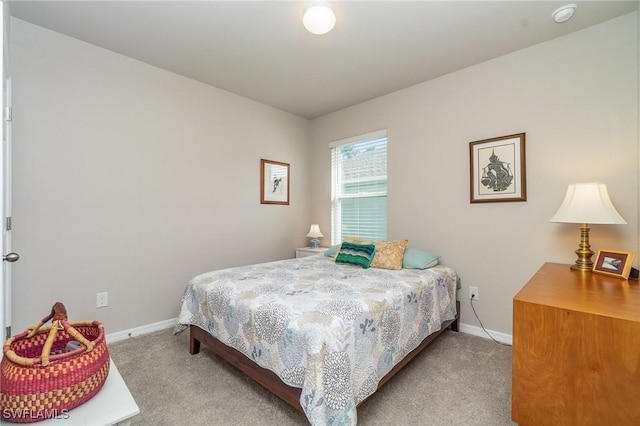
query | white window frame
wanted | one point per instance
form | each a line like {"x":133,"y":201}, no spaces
{"x":336,"y":213}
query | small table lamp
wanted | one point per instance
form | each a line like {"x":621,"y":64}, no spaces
{"x":586,"y":203}
{"x":314,"y":234}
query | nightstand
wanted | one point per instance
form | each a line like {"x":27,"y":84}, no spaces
{"x":575,"y":349}
{"x":309,"y":251}
{"x":112,"y":405}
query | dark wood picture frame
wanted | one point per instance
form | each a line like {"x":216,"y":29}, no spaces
{"x":613,"y":262}
{"x":498,"y":169}
{"x":274,"y":182}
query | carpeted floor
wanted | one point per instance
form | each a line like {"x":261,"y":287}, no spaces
{"x":459,"y":380}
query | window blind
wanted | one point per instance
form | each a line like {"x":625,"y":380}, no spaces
{"x":359,"y":187}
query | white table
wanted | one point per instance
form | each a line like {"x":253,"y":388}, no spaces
{"x":309,"y":251}
{"x":112,"y":405}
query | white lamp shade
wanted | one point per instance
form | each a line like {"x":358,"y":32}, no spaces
{"x":314,"y":231}
{"x":587,"y":203}
{"x":319,"y":19}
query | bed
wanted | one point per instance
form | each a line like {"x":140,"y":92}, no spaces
{"x":322,"y":336}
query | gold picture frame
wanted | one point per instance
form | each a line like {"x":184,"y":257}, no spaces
{"x":274,"y":182}
{"x":498,"y":169}
{"x":613,"y":262}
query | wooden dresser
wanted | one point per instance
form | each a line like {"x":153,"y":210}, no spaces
{"x":576,"y":349}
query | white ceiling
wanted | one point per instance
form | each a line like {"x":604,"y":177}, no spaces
{"x":260,"y":50}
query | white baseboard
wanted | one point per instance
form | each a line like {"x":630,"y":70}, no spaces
{"x":163,"y":325}
{"x":137,"y":331}
{"x":478,"y":331}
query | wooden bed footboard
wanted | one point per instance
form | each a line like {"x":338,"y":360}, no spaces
{"x":272,"y":382}
{"x":266,"y":378}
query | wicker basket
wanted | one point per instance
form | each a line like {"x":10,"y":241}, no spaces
{"x":42,"y":379}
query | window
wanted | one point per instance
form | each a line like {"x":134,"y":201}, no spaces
{"x":359,"y":187}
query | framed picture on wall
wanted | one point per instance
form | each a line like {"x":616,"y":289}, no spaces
{"x":615,"y":263}
{"x":497,"y":169}
{"x":274,"y":182}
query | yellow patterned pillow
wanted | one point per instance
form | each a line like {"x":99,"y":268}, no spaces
{"x":388,"y":254}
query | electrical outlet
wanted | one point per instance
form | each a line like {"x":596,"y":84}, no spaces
{"x":102,"y":299}
{"x":473,"y":293}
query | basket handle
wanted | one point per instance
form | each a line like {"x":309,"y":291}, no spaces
{"x":58,"y":312}
{"x":59,"y":322}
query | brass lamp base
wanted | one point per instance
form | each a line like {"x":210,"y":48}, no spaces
{"x":584,"y":252}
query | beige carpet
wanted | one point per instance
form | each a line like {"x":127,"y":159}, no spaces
{"x":459,"y":380}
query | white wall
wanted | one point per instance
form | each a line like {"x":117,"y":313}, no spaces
{"x":131,"y":180}
{"x":576,"y":98}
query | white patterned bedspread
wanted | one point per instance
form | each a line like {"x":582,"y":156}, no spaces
{"x":333,"y":330}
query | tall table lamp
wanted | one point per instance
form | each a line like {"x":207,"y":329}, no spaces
{"x":586,"y":203}
{"x":314,"y":234}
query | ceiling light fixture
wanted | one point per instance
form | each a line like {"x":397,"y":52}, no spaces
{"x":319,"y":18}
{"x":564,"y":13}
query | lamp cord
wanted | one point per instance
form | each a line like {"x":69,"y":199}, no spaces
{"x":485,"y":330}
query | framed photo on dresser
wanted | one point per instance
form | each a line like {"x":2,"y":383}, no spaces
{"x":613,"y":262}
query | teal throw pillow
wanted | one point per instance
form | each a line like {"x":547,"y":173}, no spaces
{"x":332,"y":250}
{"x":418,"y":259}
{"x":356,"y":254}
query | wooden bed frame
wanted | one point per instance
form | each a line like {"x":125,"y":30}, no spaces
{"x":272,"y":382}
